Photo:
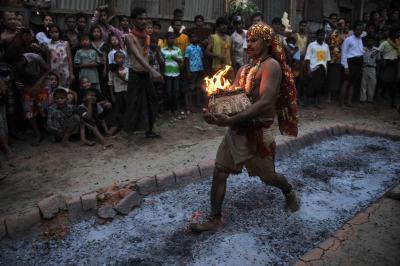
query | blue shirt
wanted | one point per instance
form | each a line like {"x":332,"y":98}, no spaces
{"x":194,"y":54}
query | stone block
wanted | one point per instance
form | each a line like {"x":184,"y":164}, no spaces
{"x":49,"y":207}
{"x":187,"y":176}
{"x":126,"y":204}
{"x":75,"y":209}
{"x":312,"y":255}
{"x":19,"y":223}
{"x":392,"y":136}
{"x":339,"y":130}
{"x":394,"y":193}
{"x":206,"y":168}
{"x":322,"y":134}
{"x":353,"y":130}
{"x":89,"y":201}
{"x":3,"y":231}
{"x":370,"y":132}
{"x":106,"y":212}
{"x":360,"y":218}
{"x":165,"y":181}
{"x":146,"y":185}
{"x":328,"y":131}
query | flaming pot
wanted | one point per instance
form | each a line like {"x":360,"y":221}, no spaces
{"x":228,"y":102}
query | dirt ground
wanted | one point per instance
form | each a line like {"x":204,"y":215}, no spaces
{"x":36,"y":172}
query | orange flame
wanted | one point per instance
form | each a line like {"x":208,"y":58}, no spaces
{"x":218,"y":82}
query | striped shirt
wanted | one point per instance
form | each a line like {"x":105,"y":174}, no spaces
{"x":172,"y":68}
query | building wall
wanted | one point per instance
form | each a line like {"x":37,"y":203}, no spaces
{"x":273,"y":8}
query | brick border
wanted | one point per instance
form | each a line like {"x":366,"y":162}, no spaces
{"x":328,"y":247}
{"x":90,"y":203}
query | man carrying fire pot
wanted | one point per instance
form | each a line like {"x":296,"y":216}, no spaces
{"x":249,"y":140}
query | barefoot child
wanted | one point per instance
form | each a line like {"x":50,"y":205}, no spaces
{"x":87,"y":60}
{"x":91,"y":115}
{"x":118,"y":82}
{"x":63,"y":119}
{"x":60,"y":57}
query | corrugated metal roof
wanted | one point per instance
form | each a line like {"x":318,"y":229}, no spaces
{"x":78,"y":5}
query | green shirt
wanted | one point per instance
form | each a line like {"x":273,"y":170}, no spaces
{"x":172,"y":68}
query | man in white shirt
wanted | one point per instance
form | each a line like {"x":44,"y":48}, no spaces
{"x":178,"y":14}
{"x":352,"y":61}
{"x":317,"y":57}
{"x":239,"y":43}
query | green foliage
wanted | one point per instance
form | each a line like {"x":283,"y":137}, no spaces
{"x":243,"y":8}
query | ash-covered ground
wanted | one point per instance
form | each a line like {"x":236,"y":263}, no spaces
{"x":334,"y":180}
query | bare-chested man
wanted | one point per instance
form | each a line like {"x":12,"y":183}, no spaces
{"x":141,"y":97}
{"x":249,"y":140}
{"x":10,"y":23}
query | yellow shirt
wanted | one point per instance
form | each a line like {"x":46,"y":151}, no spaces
{"x":221,"y":47}
{"x":182,"y":42}
{"x":301,"y":42}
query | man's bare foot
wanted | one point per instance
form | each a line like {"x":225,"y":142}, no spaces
{"x":213,"y":224}
{"x":88,"y":143}
{"x":291,"y":201}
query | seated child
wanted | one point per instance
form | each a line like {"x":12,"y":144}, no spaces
{"x":63,"y":119}
{"x":53,"y":84}
{"x":91,"y":112}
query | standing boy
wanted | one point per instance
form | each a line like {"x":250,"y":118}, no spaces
{"x":368,"y":81}
{"x":194,"y":63}
{"x":317,"y":57}
{"x":173,"y":59}
{"x":118,"y":82}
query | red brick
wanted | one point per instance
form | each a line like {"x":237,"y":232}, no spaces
{"x":327,"y":244}
{"x":89,"y":201}
{"x":146,"y":185}
{"x":374,"y":207}
{"x":206,"y":168}
{"x":19,"y":223}
{"x":165,"y":181}
{"x":3,"y":231}
{"x":312,"y":255}
{"x":344,"y":233}
{"x":49,"y":207}
{"x":187,"y":175}
{"x":300,"y":263}
{"x":75,"y":210}
{"x":360,"y":218}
